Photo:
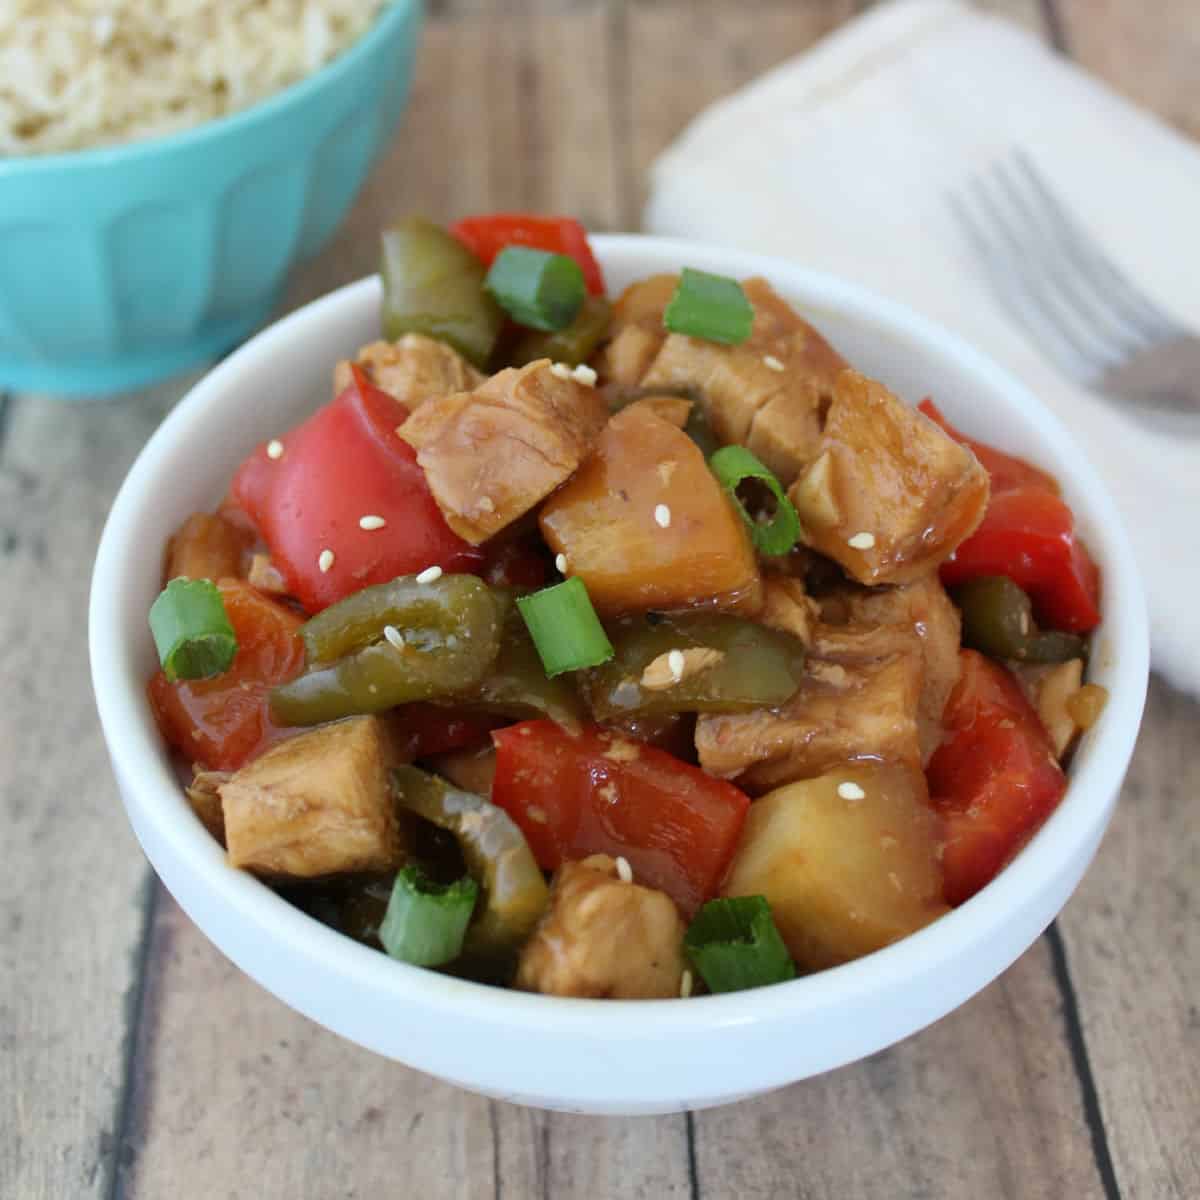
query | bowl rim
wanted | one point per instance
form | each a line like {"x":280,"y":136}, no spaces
{"x":140,"y":764}
{"x":393,"y":13}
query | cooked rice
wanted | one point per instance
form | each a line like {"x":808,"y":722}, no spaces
{"x":82,"y":73}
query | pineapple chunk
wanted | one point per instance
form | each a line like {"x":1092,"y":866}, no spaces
{"x":849,"y":862}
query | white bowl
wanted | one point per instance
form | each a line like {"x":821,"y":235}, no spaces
{"x":592,"y":1055}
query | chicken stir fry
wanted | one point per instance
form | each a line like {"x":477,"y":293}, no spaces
{"x":620,"y":651}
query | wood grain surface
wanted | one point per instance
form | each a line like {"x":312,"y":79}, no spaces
{"x":136,"y":1062}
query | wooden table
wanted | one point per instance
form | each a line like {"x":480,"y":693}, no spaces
{"x":135,"y":1061}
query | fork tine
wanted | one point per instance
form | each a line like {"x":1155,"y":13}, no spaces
{"x":1140,"y":310}
{"x":1013,"y":295}
{"x":1092,"y":306}
{"x":1094,"y":353}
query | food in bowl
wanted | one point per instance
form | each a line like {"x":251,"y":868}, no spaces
{"x":85,"y":73}
{"x":627,"y":652}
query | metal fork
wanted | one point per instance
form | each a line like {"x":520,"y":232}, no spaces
{"x":1072,"y":300}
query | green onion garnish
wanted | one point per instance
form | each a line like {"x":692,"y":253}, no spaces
{"x":564,"y":627}
{"x":733,"y":465}
{"x":734,"y":945}
{"x":426,"y":921}
{"x":191,"y":630}
{"x":538,"y":289}
{"x":712,"y":307}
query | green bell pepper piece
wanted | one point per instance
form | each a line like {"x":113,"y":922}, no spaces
{"x":450,"y":632}
{"x":517,"y":685}
{"x":760,"y":667}
{"x":573,"y":345}
{"x":433,"y":284}
{"x":499,"y":859}
{"x":997,"y":620}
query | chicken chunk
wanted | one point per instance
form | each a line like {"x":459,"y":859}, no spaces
{"x":788,"y":607}
{"x":921,"y":608}
{"x":890,"y":495}
{"x":492,"y":454}
{"x":414,"y":369}
{"x":675,"y":409}
{"x":602,"y":938}
{"x":768,"y":393}
{"x":206,"y":546}
{"x":1049,"y":688}
{"x":851,"y":704}
{"x":636,"y":332}
{"x":316,"y":804}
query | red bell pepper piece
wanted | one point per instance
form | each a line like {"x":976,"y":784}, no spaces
{"x":486,"y":236}
{"x":1005,"y":470}
{"x":346,"y":462}
{"x":225,"y":721}
{"x":994,"y":779}
{"x":419,"y":730}
{"x":596,"y":792}
{"x":1028,"y":534}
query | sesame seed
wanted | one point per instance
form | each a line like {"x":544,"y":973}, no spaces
{"x":560,"y":371}
{"x":486,"y":504}
{"x":370,"y":521}
{"x":429,"y":575}
{"x":685,"y":985}
{"x":771,"y":361}
{"x":274,"y":448}
{"x":675,"y":664}
{"x":624,"y":870}
{"x":560,"y":563}
{"x":851,"y":791}
{"x":324,"y":561}
{"x":662,"y":516}
{"x":394,"y":636}
{"x":585,"y":375}
{"x":861,"y":541}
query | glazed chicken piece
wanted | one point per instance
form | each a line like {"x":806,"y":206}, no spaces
{"x":316,"y":804}
{"x":636,"y":333}
{"x":492,"y":454}
{"x":604,"y":938}
{"x":414,"y":369}
{"x":921,"y":608}
{"x":788,"y":607}
{"x":858,"y":700}
{"x":889,"y":496}
{"x":206,"y":546}
{"x":769,"y":393}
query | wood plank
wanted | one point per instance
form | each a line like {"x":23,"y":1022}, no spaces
{"x":1132,"y":939}
{"x":229,"y":1078}
{"x":267,"y":1104}
{"x":1146,"y":51}
{"x":71,"y":895}
{"x":985,"y":1103}
{"x":507,"y":112}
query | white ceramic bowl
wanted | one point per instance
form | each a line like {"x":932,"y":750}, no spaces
{"x":591,"y":1055}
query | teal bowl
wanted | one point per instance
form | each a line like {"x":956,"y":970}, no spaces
{"x":123,"y":265}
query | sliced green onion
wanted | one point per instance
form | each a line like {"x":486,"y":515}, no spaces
{"x":564,"y":627}
{"x":712,"y":307}
{"x":426,"y":922}
{"x":734,"y":945}
{"x":733,"y":465}
{"x":191,"y":630}
{"x":538,"y":289}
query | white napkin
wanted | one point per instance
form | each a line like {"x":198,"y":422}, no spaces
{"x":842,"y":159}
